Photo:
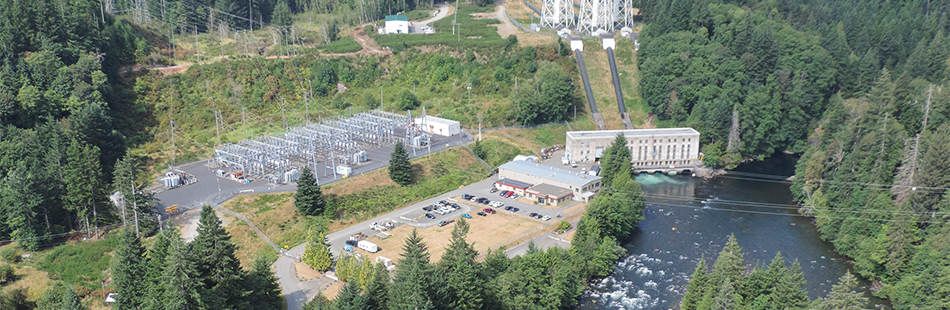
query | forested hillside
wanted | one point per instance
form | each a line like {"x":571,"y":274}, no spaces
{"x":858,"y":86}
{"x":756,"y":77}
{"x":64,"y":116}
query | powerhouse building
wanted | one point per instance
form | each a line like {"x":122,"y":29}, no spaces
{"x":649,"y":148}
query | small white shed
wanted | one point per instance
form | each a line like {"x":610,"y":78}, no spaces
{"x":397,"y":24}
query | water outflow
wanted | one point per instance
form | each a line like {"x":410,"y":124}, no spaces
{"x":687,"y":218}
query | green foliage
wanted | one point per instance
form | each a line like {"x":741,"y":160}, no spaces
{"x":478,"y":150}
{"x":281,"y":14}
{"x":464,"y":288}
{"x":546,"y":99}
{"x":128,"y":270}
{"x":473,"y":33}
{"x":618,"y":208}
{"x":563,"y":226}
{"x":496,"y":152}
{"x":309,"y":198}
{"x":843,"y":296}
{"x":7,"y":274}
{"x":216,"y":268}
{"x":80,"y":263}
{"x":406,"y":100}
{"x":60,"y":297}
{"x":400,"y":169}
{"x":412,"y":286}
{"x":343,"y":45}
{"x":317,"y":254}
{"x":8,"y":254}
{"x":615,"y":160}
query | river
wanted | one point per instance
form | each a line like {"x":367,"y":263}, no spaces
{"x":687,"y":218}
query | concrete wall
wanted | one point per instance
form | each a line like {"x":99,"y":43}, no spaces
{"x":397,"y":26}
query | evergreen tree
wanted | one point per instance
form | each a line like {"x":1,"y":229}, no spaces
{"x":460,"y":271}
{"x":309,"y":198}
{"x":157,"y":258}
{"x":411,"y":286}
{"x":317,"y":254}
{"x":406,"y":100}
{"x":179,"y":282}
{"x":696,"y":287}
{"x":377,"y":291}
{"x":726,"y":298}
{"x":319,"y":302}
{"x":218,"y":270}
{"x":729,"y":264}
{"x":265,"y":292}
{"x":843,"y":296}
{"x":281,"y":14}
{"x":400,"y":169}
{"x":128,"y":272}
{"x":350,"y":298}
{"x":60,"y":297}
{"x":790,"y":290}
{"x":21,"y":202}
{"x":82,"y":177}
{"x":615,"y":159}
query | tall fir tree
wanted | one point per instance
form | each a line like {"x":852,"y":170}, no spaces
{"x":265,"y":292}
{"x":128,"y":271}
{"x":154,"y":298}
{"x":82,"y":176}
{"x":218,"y":269}
{"x":60,"y":297}
{"x":400,"y":169}
{"x":843,"y":296}
{"x":377,"y":291}
{"x":317,"y":254}
{"x":696,"y":287}
{"x":309,"y":198}
{"x":458,"y":266}
{"x":411,"y":288}
{"x":351,"y":298}
{"x":615,"y":159}
{"x":179,"y":282}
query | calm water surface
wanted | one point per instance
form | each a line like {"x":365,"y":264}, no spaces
{"x":687,"y":218}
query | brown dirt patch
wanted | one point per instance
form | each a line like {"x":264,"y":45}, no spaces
{"x":305,"y":272}
{"x":35,"y":282}
{"x":333,"y":290}
{"x":486,"y":232}
{"x":249,"y":245}
{"x":569,"y":236}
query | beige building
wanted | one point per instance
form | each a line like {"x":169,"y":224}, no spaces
{"x":661,"y":148}
{"x":550,"y":185}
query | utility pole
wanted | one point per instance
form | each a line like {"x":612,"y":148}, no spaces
{"x":172,"y":133}
{"x":306,"y":99}
{"x":479,"y":127}
{"x":250,"y":15}
{"x":135,"y":210}
{"x":244,"y":120}
{"x":282,"y":114}
{"x":217,"y":130}
{"x":197,"y":49}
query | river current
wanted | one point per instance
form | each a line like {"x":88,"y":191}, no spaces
{"x":687,"y":218}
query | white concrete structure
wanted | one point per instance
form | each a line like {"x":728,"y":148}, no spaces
{"x":577,"y":44}
{"x":397,"y":24}
{"x":556,"y":14}
{"x":574,"y":183}
{"x":608,"y":41}
{"x":439,"y":126}
{"x":662,"y":148}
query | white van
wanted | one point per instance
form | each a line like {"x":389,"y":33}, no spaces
{"x":367,"y":246}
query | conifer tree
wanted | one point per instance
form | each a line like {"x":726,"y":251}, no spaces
{"x":179,"y":284}
{"x":729,"y":264}
{"x":411,"y":286}
{"x":265,"y":292}
{"x":615,"y":159}
{"x":790,"y":290}
{"x":83,"y":175}
{"x":155,"y":268}
{"x":218,"y":269}
{"x":696,"y":287}
{"x":351,"y":298}
{"x":319,"y":302}
{"x":60,"y":297}
{"x":309,"y":198}
{"x":843,"y":296}
{"x":128,"y":272}
{"x":377,"y":291}
{"x":317,"y":254}
{"x":460,"y":271}
{"x":400,"y":169}
{"x":726,"y":298}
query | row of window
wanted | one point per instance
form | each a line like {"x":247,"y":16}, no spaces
{"x":662,"y":163}
{"x":667,"y":140}
{"x":671,"y":152}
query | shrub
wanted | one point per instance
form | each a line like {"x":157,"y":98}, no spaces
{"x":8,"y":254}
{"x":563,"y":226}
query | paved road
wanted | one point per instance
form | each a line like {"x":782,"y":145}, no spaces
{"x":444,"y":10}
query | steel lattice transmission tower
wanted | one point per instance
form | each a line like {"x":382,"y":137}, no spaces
{"x":557,"y":14}
{"x":606,"y":15}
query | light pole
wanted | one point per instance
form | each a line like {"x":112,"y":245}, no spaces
{"x":469,"y":92}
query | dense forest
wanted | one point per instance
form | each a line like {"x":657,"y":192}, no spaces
{"x":65,"y":119}
{"x":857,"y":86}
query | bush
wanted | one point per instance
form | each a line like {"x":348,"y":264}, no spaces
{"x":8,"y":254}
{"x":7,"y":274}
{"x":563,"y":226}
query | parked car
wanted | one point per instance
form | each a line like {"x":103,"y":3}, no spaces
{"x":474,"y":199}
{"x":514,"y":196}
{"x":466,"y":216}
{"x":509,"y":194}
{"x":514,"y":209}
{"x":489,"y":210}
{"x":482,"y":213}
{"x":508,"y":208}
{"x":493,"y":190}
{"x":532,"y":214}
{"x":429,"y":215}
{"x":442,"y":223}
{"x":496,"y":204}
{"x":466,"y":196}
{"x":546,"y":218}
{"x":428,"y":208}
{"x":503,"y":193}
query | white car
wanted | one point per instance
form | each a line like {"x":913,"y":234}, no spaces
{"x":496,"y":204}
{"x":546,"y":217}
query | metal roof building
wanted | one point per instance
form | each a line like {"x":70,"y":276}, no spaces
{"x":534,"y":173}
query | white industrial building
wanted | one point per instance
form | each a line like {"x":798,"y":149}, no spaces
{"x":439,"y":126}
{"x":661,"y":148}
{"x":547,"y":184}
{"x":397,"y":24}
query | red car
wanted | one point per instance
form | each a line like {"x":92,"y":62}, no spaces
{"x":508,"y":195}
{"x":489,"y":210}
